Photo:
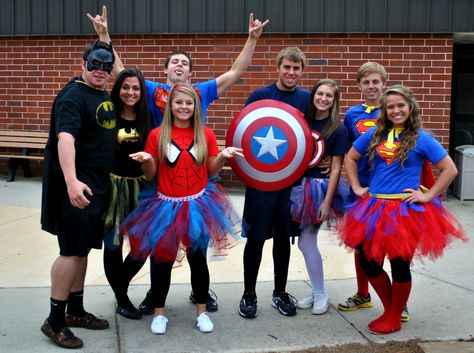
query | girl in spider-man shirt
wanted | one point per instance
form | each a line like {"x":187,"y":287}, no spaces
{"x":188,"y":212}
{"x":394,"y":217}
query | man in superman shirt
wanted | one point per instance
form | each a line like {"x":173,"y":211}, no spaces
{"x":178,"y":69}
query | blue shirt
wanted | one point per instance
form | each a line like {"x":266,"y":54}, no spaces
{"x":388,"y":176}
{"x":357,"y":121}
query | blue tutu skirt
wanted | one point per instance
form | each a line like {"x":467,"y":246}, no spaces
{"x":306,"y":199}
{"x":168,"y":227}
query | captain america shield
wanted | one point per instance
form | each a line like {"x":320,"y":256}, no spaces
{"x":276,"y":142}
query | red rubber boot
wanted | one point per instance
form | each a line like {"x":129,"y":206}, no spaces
{"x":383,"y":287}
{"x":391,"y":322}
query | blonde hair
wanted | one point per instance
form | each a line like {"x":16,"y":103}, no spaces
{"x":371,"y":67}
{"x":333,"y":112}
{"x":410,"y":130}
{"x":200,"y":142}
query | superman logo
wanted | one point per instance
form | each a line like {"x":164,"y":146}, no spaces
{"x":161,"y":96}
{"x":388,"y":151}
{"x":364,"y":124}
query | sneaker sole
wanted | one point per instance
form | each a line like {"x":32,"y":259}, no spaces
{"x":360,"y":306}
{"x":304,"y":306}
{"x":320,"y":312}
{"x":246,"y":316}
{"x":281,"y":311}
{"x":405,"y":318}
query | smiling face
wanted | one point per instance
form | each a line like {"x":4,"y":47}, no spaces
{"x":182,"y":107}
{"x":178,"y":70}
{"x":398,"y":110}
{"x":372,"y":87}
{"x":323,"y":100}
{"x":289,"y":75}
{"x":95,"y":78}
{"x":130,"y":91}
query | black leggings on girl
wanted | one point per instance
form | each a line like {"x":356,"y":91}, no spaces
{"x":400,"y":268}
{"x":161,"y":278}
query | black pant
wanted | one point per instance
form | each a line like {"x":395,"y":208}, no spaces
{"x":120,"y":272}
{"x":253,"y":257}
{"x":161,"y":278}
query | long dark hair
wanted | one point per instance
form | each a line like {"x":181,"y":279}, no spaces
{"x":141,"y":110}
{"x":310,"y":115}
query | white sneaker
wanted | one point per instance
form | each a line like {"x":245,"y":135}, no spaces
{"x":158,"y":325}
{"x":204,"y":323}
{"x":306,"y":302}
{"x":321,"y":304}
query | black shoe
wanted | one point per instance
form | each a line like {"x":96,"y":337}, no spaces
{"x":211,"y":301}
{"x":248,"y":305}
{"x":147,"y":307}
{"x":130,"y":312}
{"x":285,"y":303}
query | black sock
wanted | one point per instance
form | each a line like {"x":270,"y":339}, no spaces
{"x":75,"y":304}
{"x":56,"y":316}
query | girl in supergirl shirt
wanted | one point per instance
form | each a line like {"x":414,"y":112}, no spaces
{"x":188,"y":213}
{"x":394,"y":217}
{"x":320,"y":197}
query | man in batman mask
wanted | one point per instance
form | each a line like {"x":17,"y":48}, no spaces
{"x":78,"y":159}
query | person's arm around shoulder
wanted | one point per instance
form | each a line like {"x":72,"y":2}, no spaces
{"x":101,"y":27}
{"x":240,"y":65}
{"x":67,"y":160}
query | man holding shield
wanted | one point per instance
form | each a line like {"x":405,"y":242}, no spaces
{"x":266,"y":213}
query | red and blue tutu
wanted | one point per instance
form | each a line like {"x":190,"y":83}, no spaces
{"x":391,"y":228}
{"x":306,"y":199}
{"x":168,"y":227}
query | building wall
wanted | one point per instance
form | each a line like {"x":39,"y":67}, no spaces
{"x":33,"y":69}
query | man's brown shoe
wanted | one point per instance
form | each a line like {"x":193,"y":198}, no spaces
{"x":64,"y":338}
{"x":89,"y":321}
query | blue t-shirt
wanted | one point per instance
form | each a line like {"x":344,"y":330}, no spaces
{"x":357,"y":121}
{"x":388,"y":176}
{"x":298,"y":98}
{"x":157,"y":95}
{"x":336,"y":145}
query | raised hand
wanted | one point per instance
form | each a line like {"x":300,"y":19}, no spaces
{"x":100,"y":23}
{"x":256,"y":27}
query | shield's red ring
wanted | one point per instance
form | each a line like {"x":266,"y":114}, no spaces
{"x":318,"y":148}
{"x":250,"y":157}
{"x":307,"y":140}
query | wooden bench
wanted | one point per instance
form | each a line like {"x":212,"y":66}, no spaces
{"x":17,"y":145}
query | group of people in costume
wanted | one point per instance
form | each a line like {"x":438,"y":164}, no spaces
{"x":139,"y":164}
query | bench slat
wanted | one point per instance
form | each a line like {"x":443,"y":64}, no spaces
{"x":24,"y":133}
{"x":21,"y":156}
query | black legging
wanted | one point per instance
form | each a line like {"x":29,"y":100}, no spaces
{"x":161,"y":278}
{"x":253,"y":258}
{"x":120,"y":273}
{"x":400,"y":268}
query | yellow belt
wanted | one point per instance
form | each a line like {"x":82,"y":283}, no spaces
{"x":395,"y":196}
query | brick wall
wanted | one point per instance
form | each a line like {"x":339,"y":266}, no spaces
{"x":33,"y":69}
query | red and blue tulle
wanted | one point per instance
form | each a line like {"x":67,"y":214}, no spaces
{"x":392,"y":228}
{"x":306,"y":199}
{"x":166,"y":228}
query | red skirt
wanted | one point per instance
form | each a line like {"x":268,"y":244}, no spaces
{"x":392,"y":228}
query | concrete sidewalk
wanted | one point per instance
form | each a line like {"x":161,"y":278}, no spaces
{"x":441,"y":303}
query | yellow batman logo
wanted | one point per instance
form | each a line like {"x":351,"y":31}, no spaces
{"x":105,"y":115}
